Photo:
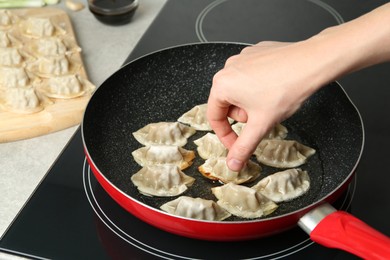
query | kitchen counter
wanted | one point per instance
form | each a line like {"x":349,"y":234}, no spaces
{"x":23,"y":164}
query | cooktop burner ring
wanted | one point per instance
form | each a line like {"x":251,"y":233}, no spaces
{"x":119,"y":231}
{"x":200,"y":20}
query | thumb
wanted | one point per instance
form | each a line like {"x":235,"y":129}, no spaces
{"x":245,"y":145}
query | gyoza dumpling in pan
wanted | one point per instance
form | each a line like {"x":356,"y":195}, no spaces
{"x":210,"y":146}
{"x":215,"y":168}
{"x":282,"y":153}
{"x":196,"y":117}
{"x":164,"y":133}
{"x":278,"y":132}
{"x":161,"y":180}
{"x":196,"y":208}
{"x":164,"y":154}
{"x":243,"y":201}
{"x":284,"y":185}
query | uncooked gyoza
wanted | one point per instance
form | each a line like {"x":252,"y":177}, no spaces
{"x":20,"y":100}
{"x":6,"y":19}
{"x":48,"y":46}
{"x":4,"y":39}
{"x":37,"y":27}
{"x":282,"y":153}
{"x":209,"y":146}
{"x":13,"y":77}
{"x":47,"y":66}
{"x":161,"y":180}
{"x":196,"y":117}
{"x":10,"y":57}
{"x":52,"y":46}
{"x":196,"y":208}
{"x":215,"y":168}
{"x":284,"y":185}
{"x":164,"y":154}
{"x":68,"y":86}
{"x":243,"y":201}
{"x":164,"y":133}
{"x":277,"y":132}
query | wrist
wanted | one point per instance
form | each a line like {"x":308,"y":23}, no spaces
{"x":354,"y":45}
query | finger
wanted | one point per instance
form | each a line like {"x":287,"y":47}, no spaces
{"x":217,"y":116}
{"x":246,"y":144}
{"x":237,"y":114}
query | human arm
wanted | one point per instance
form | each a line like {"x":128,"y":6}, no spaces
{"x":268,"y":82}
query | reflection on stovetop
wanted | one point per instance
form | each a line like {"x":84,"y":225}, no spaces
{"x":70,"y":216}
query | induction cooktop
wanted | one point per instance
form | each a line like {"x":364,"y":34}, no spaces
{"x":70,"y":216}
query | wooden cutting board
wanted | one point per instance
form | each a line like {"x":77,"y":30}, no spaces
{"x":61,"y":113}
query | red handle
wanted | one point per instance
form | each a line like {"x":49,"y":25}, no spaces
{"x":343,"y":231}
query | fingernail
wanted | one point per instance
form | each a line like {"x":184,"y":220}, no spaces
{"x":235,"y":165}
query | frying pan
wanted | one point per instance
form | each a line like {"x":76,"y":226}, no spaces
{"x":161,"y":86}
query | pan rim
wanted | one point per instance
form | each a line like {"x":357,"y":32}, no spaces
{"x":299,"y":212}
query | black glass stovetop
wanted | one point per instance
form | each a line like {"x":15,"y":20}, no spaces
{"x":70,"y":216}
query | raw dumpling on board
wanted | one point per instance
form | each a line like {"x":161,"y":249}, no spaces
{"x":10,"y":57}
{"x":164,"y":133}
{"x":243,"y":201}
{"x":284,"y":185}
{"x":161,"y":180}
{"x":164,"y":154}
{"x":13,"y":77}
{"x":52,"y":46}
{"x":282,"y":153}
{"x":4,"y":39}
{"x":68,"y":86}
{"x":278,"y":132}
{"x":196,"y":117}
{"x":210,"y":146}
{"x":7,"y":19}
{"x":216,"y":169}
{"x":38,"y":27}
{"x":50,"y":66}
{"x":21,"y":100}
{"x":196,"y":208}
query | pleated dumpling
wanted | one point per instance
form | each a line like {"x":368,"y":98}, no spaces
{"x":10,"y":57}
{"x":284,"y":185}
{"x":37,"y":27}
{"x":277,"y":132}
{"x":209,"y":146}
{"x":243,"y":201}
{"x":164,"y":133}
{"x":164,"y":154}
{"x":64,"y":87}
{"x":4,"y":39}
{"x":216,"y":169}
{"x":20,"y":100}
{"x":196,"y":117}
{"x":50,"y":66}
{"x":161,"y":180}
{"x":282,"y":153}
{"x":13,"y":77}
{"x":196,"y":208}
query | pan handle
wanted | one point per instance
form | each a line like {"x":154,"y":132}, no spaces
{"x":339,"y":229}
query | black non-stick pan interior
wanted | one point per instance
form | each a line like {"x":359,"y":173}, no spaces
{"x":163,"y":85}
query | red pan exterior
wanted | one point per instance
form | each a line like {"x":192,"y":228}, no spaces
{"x":213,"y":231}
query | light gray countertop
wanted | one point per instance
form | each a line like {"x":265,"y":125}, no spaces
{"x":23,"y":164}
